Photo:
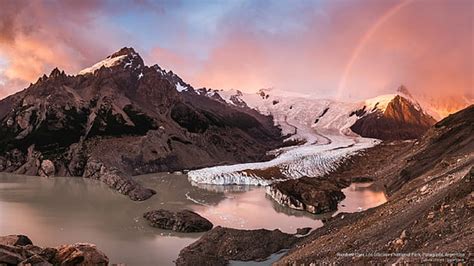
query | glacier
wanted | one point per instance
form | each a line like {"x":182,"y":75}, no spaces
{"x":323,"y":125}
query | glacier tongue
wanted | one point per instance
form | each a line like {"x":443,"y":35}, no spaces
{"x":299,"y":161}
{"x":324,"y":125}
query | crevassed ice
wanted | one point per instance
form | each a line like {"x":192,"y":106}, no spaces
{"x":324,"y":124}
{"x":306,"y":160}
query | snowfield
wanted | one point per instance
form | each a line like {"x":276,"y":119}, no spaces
{"x":108,"y":62}
{"x":324,"y":125}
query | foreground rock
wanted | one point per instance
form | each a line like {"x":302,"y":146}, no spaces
{"x":314,"y":195}
{"x":183,"y":221}
{"x":220,"y":245}
{"x":15,"y":240}
{"x":19,"y":250}
{"x":81,"y":253}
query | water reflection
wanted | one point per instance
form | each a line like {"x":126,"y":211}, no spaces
{"x":223,"y":188}
{"x":59,"y":210}
{"x":360,"y":197}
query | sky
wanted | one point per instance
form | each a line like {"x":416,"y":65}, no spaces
{"x":341,"y":49}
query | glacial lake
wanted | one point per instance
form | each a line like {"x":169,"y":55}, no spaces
{"x":60,"y":210}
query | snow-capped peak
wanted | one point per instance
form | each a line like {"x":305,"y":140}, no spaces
{"x":108,"y":62}
{"x":381,"y":102}
{"x":125,"y":56}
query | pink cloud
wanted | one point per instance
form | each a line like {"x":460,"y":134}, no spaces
{"x":425,"y":44}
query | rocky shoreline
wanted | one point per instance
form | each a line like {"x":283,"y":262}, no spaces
{"x":19,"y":250}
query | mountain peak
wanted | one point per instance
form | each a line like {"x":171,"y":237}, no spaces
{"x":128,"y":51}
{"x":56,"y":73}
{"x":125,"y":57}
{"x":404,"y":91}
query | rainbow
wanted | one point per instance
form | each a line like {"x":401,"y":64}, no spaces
{"x":363,"y":41}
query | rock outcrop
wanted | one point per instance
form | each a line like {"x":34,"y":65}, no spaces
{"x":46,"y":168}
{"x":114,"y":179}
{"x":15,"y":240}
{"x":128,"y":118}
{"x":79,"y":254}
{"x":19,"y":250}
{"x":220,"y":245}
{"x":182,"y":221}
{"x":314,"y":195}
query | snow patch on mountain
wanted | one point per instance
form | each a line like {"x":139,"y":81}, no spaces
{"x":180,"y":87}
{"x":298,"y":116}
{"x":108,"y":62}
{"x":379,"y":102}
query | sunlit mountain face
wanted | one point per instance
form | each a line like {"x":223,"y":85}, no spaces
{"x":347,"y":50}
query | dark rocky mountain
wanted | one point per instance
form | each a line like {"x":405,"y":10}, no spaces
{"x":402,"y":118}
{"x":120,"y":118}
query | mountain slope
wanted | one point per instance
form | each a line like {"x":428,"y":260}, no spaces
{"x":430,"y":209}
{"x":120,"y":118}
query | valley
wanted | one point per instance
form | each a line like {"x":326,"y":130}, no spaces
{"x":120,"y":139}
{"x":90,"y":212}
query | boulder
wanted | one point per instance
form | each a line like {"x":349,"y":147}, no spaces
{"x":182,"y":221}
{"x":35,"y":260}
{"x":15,"y":240}
{"x":11,"y":254}
{"x":18,"y":250}
{"x":220,"y":245}
{"x":80,"y":254}
{"x":47,"y":168}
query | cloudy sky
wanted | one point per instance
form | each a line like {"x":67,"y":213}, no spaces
{"x":347,"y":49}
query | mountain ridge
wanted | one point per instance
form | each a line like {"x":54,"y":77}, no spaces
{"x":385,"y":117}
{"x":124,"y":119}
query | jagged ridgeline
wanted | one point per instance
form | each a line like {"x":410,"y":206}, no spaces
{"x":120,"y":118}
